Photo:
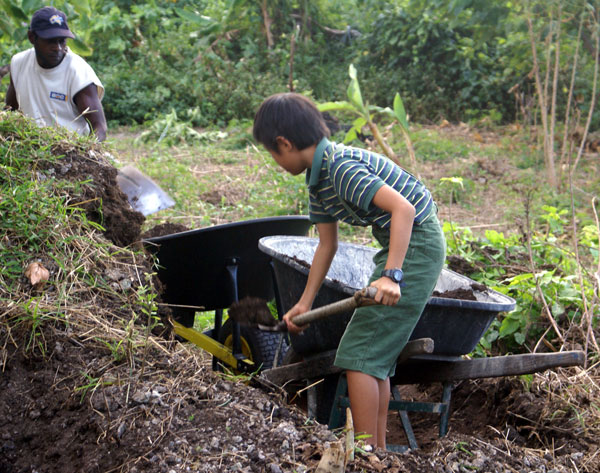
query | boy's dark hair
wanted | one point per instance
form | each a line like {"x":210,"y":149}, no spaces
{"x":292,"y":116}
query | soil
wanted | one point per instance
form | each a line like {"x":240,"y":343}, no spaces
{"x":100,"y":196}
{"x":76,"y":405}
{"x":166,"y":228}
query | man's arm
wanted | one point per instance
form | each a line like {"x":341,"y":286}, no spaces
{"x":11,"y":96}
{"x":89,"y":105}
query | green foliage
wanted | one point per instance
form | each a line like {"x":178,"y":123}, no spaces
{"x":439,"y":58}
{"x":364,"y":113}
{"x":431,"y":145}
{"x":503,"y":264}
{"x":453,"y":59}
{"x":170,"y":131}
{"x":354,"y":105}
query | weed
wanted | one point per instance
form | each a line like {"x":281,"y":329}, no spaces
{"x":462,"y":446}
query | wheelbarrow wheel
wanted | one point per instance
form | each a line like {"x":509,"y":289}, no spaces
{"x":257,"y":345}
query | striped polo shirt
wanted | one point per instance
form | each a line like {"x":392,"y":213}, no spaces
{"x":355,"y":175}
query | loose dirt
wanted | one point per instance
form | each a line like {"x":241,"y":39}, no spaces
{"x":75,"y":405}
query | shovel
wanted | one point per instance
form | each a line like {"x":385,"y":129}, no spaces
{"x":254,"y":312}
{"x":143,"y":194}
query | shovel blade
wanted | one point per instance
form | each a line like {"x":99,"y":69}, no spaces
{"x":143,"y":194}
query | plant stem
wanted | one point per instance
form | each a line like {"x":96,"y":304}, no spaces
{"x":389,"y":152}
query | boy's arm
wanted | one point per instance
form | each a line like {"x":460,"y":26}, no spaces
{"x":403,"y":215}
{"x":326,"y":249}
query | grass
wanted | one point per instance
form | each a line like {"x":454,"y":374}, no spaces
{"x":42,"y":221}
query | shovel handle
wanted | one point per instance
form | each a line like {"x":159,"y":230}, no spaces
{"x":360,"y":298}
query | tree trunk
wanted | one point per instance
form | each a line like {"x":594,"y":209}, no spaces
{"x":267,"y":21}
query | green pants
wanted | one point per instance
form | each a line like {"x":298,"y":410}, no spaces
{"x":376,"y":335}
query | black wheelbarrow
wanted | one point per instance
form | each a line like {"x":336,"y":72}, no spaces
{"x":447,"y":329}
{"x":209,"y":269}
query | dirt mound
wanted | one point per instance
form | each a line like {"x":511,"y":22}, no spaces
{"x":166,"y":228}
{"x":100,"y":195}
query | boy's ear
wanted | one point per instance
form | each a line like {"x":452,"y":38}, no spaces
{"x":283,"y":144}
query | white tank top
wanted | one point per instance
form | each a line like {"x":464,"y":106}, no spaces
{"x":47,"y":94}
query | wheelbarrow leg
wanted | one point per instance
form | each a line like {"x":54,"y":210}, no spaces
{"x":236,"y":349}
{"x":406,"y":425}
{"x":445,"y":415}
{"x":341,"y":401}
{"x":280,"y":313}
{"x":337,"y":416}
{"x":216,"y":334}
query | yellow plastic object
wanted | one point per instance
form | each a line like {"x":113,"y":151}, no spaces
{"x":215,"y":348}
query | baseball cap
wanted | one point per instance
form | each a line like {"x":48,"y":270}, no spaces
{"x":48,"y":22}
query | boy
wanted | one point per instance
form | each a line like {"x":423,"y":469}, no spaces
{"x":361,"y":188}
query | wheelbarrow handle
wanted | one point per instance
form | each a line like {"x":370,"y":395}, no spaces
{"x":360,"y":298}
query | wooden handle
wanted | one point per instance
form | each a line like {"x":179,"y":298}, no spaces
{"x":360,"y":298}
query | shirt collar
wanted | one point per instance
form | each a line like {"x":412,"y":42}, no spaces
{"x":312,"y":178}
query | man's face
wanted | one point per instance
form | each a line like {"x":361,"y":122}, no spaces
{"x":49,"y":52}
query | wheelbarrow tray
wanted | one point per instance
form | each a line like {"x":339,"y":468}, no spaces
{"x":455,"y":325}
{"x":193,"y":265}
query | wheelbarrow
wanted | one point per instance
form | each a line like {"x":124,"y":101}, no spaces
{"x":447,"y":329}
{"x":208,"y":269}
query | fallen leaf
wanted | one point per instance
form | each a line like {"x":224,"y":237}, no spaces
{"x":332,"y":460}
{"x":376,"y":463}
{"x":37,"y":274}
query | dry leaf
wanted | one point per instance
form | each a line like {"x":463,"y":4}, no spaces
{"x":332,"y":460}
{"x":37,"y":274}
{"x":376,"y":463}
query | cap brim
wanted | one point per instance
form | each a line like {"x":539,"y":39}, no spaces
{"x":55,"y":33}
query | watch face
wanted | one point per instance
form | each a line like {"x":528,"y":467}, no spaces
{"x":394,"y":274}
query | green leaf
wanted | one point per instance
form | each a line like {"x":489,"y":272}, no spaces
{"x":79,"y":47}
{"x":350,"y":135}
{"x":359,"y":123}
{"x":352,"y":72}
{"x":6,"y":27}
{"x":519,"y":278}
{"x":81,"y":6}
{"x":557,"y":309}
{"x":16,"y":12}
{"x":355,"y":97}
{"x":354,"y":94}
{"x":29,"y":5}
{"x":400,"y":112}
{"x":194,"y":18}
{"x":329,"y":106}
{"x":509,"y":325}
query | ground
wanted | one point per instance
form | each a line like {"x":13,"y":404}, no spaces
{"x":165,"y":410}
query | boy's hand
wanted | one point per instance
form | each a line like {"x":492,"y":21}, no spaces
{"x":388,"y":292}
{"x":293,"y":312}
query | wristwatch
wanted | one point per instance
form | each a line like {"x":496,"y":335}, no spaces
{"x":394,"y":274}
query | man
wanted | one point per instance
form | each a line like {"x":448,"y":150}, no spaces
{"x":53,"y":85}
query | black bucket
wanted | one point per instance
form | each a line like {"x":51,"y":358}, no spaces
{"x":455,"y":325}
